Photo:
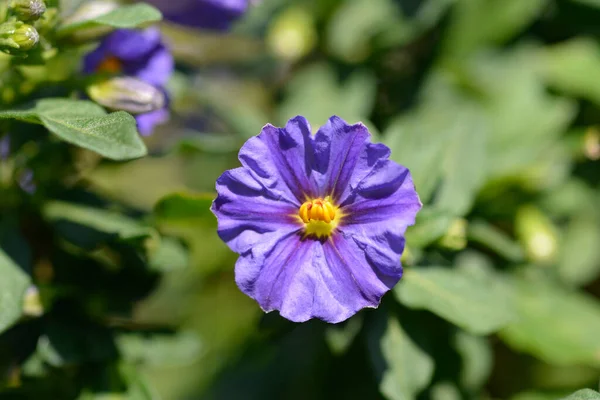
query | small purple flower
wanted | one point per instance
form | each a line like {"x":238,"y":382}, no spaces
{"x":140,"y":54}
{"x":207,"y":14}
{"x":318,"y":221}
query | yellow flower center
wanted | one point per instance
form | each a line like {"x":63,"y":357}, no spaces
{"x":110,"y":64}
{"x":320,"y":217}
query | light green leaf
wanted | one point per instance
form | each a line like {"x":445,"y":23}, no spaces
{"x":481,"y":232}
{"x":166,"y":350}
{"x":477,"y":359}
{"x":171,"y":255}
{"x":405,"y":369}
{"x":340,"y":337}
{"x":573,"y":67}
{"x":579,"y":257}
{"x":479,"y":305}
{"x":554,"y":324}
{"x":583,"y":394}
{"x":86,"y":124}
{"x":431,"y":225}
{"x":107,"y":222}
{"x":13,"y":285}
{"x":128,"y":16}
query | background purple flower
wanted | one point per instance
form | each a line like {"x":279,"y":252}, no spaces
{"x":330,"y":277}
{"x":208,"y":14}
{"x":141,"y":54}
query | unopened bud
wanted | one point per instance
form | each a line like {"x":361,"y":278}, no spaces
{"x":127,"y":94}
{"x":28,"y":10}
{"x":292,"y":35}
{"x":537,"y":234}
{"x":17,"y":37}
{"x":86,"y":12}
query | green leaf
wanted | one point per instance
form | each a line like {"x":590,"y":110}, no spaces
{"x":107,"y":222}
{"x":479,"y":305}
{"x":573,"y":67}
{"x":431,"y":225}
{"x":554,"y":324}
{"x":440,"y":142}
{"x":493,"y":238}
{"x":404,"y":368}
{"x":477,"y":23}
{"x":583,"y":394}
{"x":185,"y":210}
{"x":86,"y":124}
{"x":316,"y":94}
{"x":579,"y":257}
{"x":160,"y":349}
{"x":13,"y":285}
{"x":128,"y":16}
{"x":114,"y":136}
{"x":171,"y":255}
{"x":477,"y":359}
{"x":340,"y":337}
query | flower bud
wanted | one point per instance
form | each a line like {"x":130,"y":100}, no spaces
{"x":292,"y":35}
{"x":537,"y":234}
{"x":17,"y":37}
{"x":28,"y":10}
{"x":127,"y":94}
{"x":87,"y":11}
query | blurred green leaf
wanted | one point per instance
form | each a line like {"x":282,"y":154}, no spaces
{"x":478,"y":305}
{"x":481,"y":232}
{"x":445,"y":391}
{"x":579,"y":257}
{"x":87,"y":125}
{"x":185,"y":209}
{"x":404,"y":368}
{"x":554,"y":324}
{"x":573,"y":67}
{"x":169,"y":256}
{"x":478,"y":23}
{"x":477,"y":359}
{"x":315,"y":93}
{"x":127,"y":16}
{"x":367,"y":18}
{"x":339,"y":337}
{"x":583,"y":394}
{"x":431,"y":224}
{"x":160,"y":349}
{"x":13,"y":285}
{"x":107,"y":222}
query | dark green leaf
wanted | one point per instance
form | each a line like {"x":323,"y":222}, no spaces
{"x":185,"y":209}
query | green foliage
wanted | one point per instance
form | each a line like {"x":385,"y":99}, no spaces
{"x":85,"y":124}
{"x":116,"y":285}
{"x":479,"y":305}
{"x":129,"y":16}
{"x":13,"y":284}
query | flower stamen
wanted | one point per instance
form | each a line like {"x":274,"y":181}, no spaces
{"x":319,"y":216}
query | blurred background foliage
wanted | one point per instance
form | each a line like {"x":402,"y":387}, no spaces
{"x":494,"y":106}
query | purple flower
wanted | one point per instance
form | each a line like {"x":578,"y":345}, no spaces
{"x":208,"y":14}
{"x":140,"y":54}
{"x":318,"y":221}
